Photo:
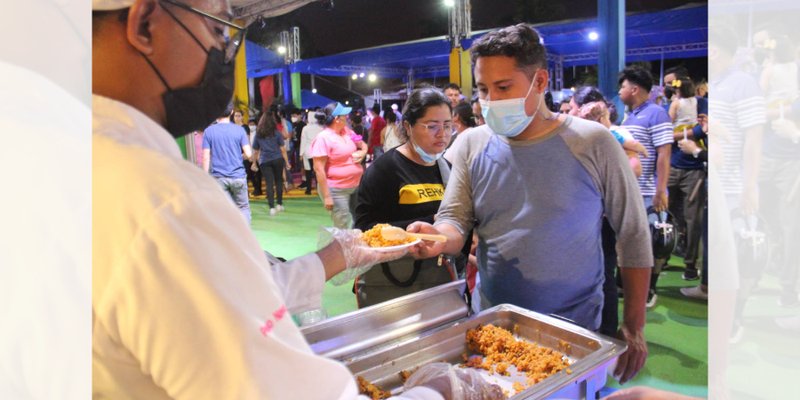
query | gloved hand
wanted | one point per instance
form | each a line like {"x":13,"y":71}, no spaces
{"x":454,"y":383}
{"x":358,"y":256}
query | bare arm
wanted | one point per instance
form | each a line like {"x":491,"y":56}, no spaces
{"x":206,"y":159}
{"x":673,"y":110}
{"x":322,"y":181}
{"x":248,"y":151}
{"x":635,"y":283}
{"x":662,"y":175}
{"x":285,"y":157}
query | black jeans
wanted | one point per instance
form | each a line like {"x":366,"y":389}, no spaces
{"x":310,"y":175}
{"x":272,"y":171}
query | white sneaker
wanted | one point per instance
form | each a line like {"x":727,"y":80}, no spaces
{"x":652,"y":297}
{"x":272,"y":211}
{"x":694,"y":292}
{"x":280,"y":208}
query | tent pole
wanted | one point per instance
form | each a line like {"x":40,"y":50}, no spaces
{"x":611,"y":20}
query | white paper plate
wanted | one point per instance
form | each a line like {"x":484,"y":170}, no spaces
{"x":395,"y":248}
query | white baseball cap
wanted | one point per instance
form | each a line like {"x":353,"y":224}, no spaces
{"x":107,"y":5}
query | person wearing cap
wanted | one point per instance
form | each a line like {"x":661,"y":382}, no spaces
{"x":336,"y":164}
{"x":185,"y":305}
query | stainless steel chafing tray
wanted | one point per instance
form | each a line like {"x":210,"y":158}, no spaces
{"x":380,"y":341}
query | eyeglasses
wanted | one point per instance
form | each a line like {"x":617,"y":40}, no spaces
{"x":231,"y":43}
{"x":434,"y":128}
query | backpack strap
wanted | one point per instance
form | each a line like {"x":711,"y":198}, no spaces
{"x":444,"y":169}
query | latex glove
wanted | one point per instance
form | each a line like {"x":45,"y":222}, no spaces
{"x":358,"y":257}
{"x":454,"y":383}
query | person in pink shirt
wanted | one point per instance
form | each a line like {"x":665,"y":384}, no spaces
{"x":337,"y":161}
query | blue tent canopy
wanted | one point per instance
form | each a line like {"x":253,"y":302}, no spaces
{"x":676,"y":33}
{"x":311,"y":100}
{"x":260,"y":61}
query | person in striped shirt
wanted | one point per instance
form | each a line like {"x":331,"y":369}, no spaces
{"x":651,"y":126}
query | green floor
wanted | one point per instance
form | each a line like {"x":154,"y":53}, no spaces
{"x":676,"y":331}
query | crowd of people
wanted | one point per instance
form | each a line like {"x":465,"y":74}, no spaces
{"x":551,"y":207}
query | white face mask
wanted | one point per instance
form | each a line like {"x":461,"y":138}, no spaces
{"x":252,"y":128}
{"x":507,"y":117}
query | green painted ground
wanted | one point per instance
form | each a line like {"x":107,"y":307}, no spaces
{"x":677,"y":328}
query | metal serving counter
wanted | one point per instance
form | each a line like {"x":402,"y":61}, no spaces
{"x":380,"y":341}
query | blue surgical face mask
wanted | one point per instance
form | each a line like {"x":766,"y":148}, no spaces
{"x":425,"y":156}
{"x":507,"y":117}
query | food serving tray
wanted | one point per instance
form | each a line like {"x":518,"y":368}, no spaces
{"x":379,"y":342}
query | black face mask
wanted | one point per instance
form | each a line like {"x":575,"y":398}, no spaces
{"x":191,"y":109}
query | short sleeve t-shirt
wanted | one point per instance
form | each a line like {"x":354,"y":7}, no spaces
{"x":225,"y":140}
{"x":651,"y":126}
{"x":270,"y":147}
{"x":378,"y":123}
{"x":738,"y":105}
{"x":340,"y":170}
{"x":539,"y":206}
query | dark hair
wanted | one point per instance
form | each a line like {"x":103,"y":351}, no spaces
{"x":464,"y":113}
{"x":234,"y":113}
{"x":548,"y":101}
{"x":587,"y":94}
{"x":329,"y":117}
{"x":418,"y":103}
{"x":356,"y":118}
{"x":452,"y":85}
{"x":612,"y":112}
{"x":679,"y":70}
{"x":687,"y":87}
{"x":266,"y":125}
{"x":391,"y":117}
{"x":638,"y":76}
{"x":376,"y":108}
{"x":520,"y":42}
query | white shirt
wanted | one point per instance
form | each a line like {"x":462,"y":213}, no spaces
{"x":307,"y":136}
{"x":185,"y":304}
{"x":45,"y":262}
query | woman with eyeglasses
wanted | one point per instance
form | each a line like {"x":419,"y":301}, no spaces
{"x":337,"y":164}
{"x":404,"y":185}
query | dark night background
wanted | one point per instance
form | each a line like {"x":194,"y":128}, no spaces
{"x":358,"y":24}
